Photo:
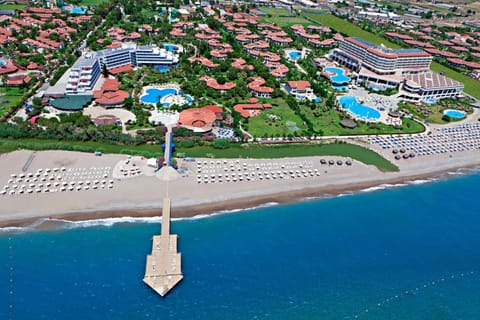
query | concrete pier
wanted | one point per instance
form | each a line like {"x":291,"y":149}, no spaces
{"x":164,"y":266}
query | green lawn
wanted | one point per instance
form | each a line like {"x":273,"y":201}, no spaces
{"x":283,"y":18}
{"x":251,"y":151}
{"x":12,"y":6}
{"x":92,"y":2}
{"x":295,"y":150}
{"x":10,"y":97}
{"x":345,"y":27}
{"x":264,"y":126}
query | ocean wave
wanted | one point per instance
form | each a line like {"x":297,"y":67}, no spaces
{"x":222,"y":212}
{"x":15,"y":229}
{"x":421,"y":181}
{"x":384,"y":186}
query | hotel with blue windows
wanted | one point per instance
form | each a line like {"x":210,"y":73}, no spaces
{"x":408,"y":70}
{"x":87,"y":69}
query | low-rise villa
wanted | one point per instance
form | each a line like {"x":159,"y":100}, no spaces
{"x":256,"y":86}
{"x":300,"y":89}
{"x":212,"y":83}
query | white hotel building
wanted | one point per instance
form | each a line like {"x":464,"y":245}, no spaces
{"x":382,"y":68}
{"x":87,"y":69}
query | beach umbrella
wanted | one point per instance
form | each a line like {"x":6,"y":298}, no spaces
{"x":323,"y":161}
{"x":412,"y":155}
{"x":348,"y":163}
{"x":339,"y":162}
{"x":13,"y":175}
{"x":397,"y":157}
{"x":405,"y":156}
{"x":394,"y":151}
{"x":331,"y":162}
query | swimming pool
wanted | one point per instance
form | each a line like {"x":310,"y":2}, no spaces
{"x":154,"y":96}
{"x":295,"y":55}
{"x":339,"y":76}
{"x":162,"y":68}
{"x":169,"y":47}
{"x":77,"y":10}
{"x":3,"y":62}
{"x":165,"y":96}
{"x":457,"y":114}
{"x":340,"y":88}
{"x":359,"y":110}
{"x":429,"y":100}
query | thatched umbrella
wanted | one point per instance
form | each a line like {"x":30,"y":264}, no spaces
{"x":412,"y":155}
{"x":331,"y":162}
{"x":323,"y":161}
{"x":402,"y":150}
{"x":348,"y":163}
{"x":397,"y":157}
{"x":395,"y":151}
{"x":405,"y":156}
{"x":339,"y":162}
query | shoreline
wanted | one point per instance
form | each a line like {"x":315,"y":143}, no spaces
{"x":239,"y":203}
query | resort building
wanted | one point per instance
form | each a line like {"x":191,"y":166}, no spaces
{"x":256,"y":86}
{"x":300,"y":89}
{"x":222,"y":88}
{"x":109,"y":94}
{"x":429,"y":86}
{"x":87,"y":68}
{"x":355,"y":54}
{"x":199,"y":119}
{"x":83,"y":74}
{"x":383,"y":68}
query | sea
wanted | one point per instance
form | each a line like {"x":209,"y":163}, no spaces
{"x":409,"y":251}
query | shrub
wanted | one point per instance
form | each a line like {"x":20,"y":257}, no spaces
{"x":221,"y":144}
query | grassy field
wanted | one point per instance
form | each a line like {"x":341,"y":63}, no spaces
{"x":296,"y":150}
{"x":12,"y":6}
{"x":251,"y":151}
{"x":329,"y":123}
{"x":263,"y":126}
{"x":92,"y":2}
{"x":343,"y":26}
{"x":9,"y":98}
{"x":281,"y":17}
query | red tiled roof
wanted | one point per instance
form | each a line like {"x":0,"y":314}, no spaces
{"x":300,"y":85}
{"x":197,"y":117}
{"x":257,"y":85}
{"x":248,"y":110}
{"x":212,"y":83}
{"x":121,"y":69}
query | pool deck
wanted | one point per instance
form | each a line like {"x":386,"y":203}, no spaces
{"x":375,"y":101}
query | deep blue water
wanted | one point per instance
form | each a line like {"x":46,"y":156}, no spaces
{"x":324,"y":259}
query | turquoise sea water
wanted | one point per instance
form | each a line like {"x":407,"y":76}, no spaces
{"x":403,"y":253}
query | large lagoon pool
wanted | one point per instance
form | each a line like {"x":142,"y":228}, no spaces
{"x":457,"y":114}
{"x":359,"y":110}
{"x":165,"y":96}
{"x":339,"y":76}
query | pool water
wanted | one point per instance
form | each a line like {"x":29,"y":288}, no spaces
{"x":340,"y":88}
{"x":339,"y":75}
{"x":429,"y":100}
{"x":317,"y":100}
{"x":162,"y":68}
{"x":77,"y":10}
{"x":154,"y":96}
{"x":295,"y":55}
{"x":169,"y":47}
{"x":457,"y":114}
{"x":359,"y":110}
{"x":3,"y":63}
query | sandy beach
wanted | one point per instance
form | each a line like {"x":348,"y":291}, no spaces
{"x":83,"y":186}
